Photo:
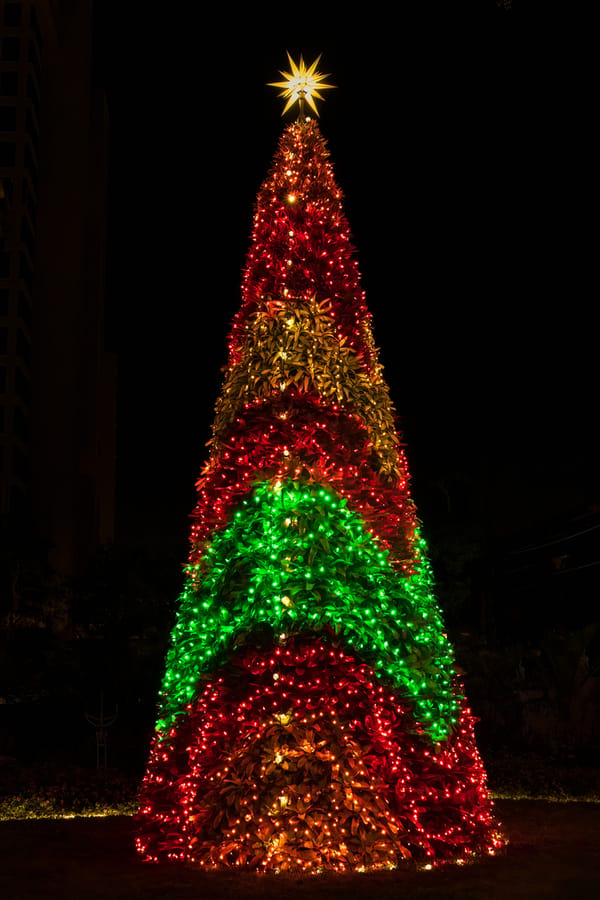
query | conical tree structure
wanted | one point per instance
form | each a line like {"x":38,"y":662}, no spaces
{"x":310,"y":716}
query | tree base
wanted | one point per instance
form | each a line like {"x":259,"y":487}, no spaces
{"x":298,"y":758}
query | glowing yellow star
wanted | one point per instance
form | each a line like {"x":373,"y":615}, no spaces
{"x":302,"y":84}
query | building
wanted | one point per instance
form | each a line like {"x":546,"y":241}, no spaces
{"x":57,"y":380}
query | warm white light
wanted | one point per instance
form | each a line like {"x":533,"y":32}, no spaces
{"x":302,"y":84}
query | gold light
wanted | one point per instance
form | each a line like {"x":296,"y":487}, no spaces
{"x":302,"y":84}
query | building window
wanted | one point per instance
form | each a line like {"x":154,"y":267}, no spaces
{"x":8,"y":154}
{"x":2,"y":379}
{"x":1,"y":419}
{"x":22,"y":385}
{"x":21,"y":424}
{"x":12,"y":15}
{"x":3,"y":339}
{"x":9,"y":84}
{"x":10,"y":49}
{"x":20,"y":464}
{"x":30,"y":161}
{"x":4,"y":264}
{"x":27,"y":236}
{"x":28,"y":199}
{"x":33,"y":92}
{"x":19,"y":507}
{"x":34,"y":58}
{"x":23,"y":347}
{"x":8,"y":118}
{"x":32,"y":129}
{"x":35,"y":25}
{"x":24,"y":309}
{"x":25,"y":271}
{"x":6,"y":187}
{"x":4,"y":300}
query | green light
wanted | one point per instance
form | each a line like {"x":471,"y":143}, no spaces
{"x":327,"y":586}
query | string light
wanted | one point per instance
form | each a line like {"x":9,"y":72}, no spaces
{"x":324,"y":570}
{"x":310,"y":715}
{"x":318,"y":783}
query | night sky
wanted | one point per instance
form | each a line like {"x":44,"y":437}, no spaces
{"x":460,"y":143}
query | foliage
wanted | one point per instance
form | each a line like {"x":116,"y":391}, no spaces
{"x":49,"y":791}
{"x":530,"y":776}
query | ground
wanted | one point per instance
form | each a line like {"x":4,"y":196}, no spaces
{"x":554,"y":852}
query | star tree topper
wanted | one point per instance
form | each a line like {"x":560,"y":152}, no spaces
{"x":302,"y":84}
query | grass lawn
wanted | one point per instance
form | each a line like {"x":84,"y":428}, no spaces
{"x":554,"y":852}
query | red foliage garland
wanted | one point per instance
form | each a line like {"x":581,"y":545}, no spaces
{"x":297,"y":757}
{"x":299,"y":437}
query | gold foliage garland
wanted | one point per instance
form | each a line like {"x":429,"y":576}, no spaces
{"x":291,"y":345}
{"x":298,"y":778}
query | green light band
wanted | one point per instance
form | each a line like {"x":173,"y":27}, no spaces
{"x":294,"y":559}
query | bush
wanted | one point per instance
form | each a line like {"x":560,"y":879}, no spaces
{"x":533,"y":776}
{"x":47,"y":791}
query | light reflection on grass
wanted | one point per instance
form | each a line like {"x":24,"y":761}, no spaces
{"x":547,"y":798}
{"x":13,"y":810}
{"x":18,"y":810}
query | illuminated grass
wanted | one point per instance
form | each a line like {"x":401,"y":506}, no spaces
{"x":553,"y":797}
{"x":34,"y":808}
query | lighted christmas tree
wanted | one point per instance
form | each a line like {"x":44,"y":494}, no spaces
{"x":310,"y":716}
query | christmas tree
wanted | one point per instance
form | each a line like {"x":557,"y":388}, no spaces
{"x":310,"y":717}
